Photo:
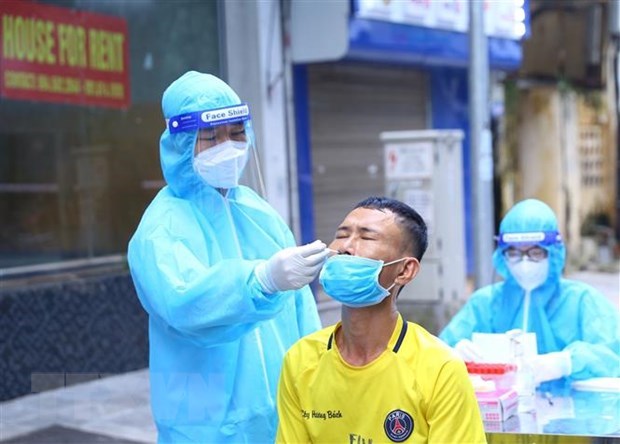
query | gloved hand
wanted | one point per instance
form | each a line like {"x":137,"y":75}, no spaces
{"x":550,"y":366}
{"x":469,"y":351}
{"x":291,"y":268}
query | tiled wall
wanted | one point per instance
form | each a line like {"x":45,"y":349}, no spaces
{"x":68,"y":332}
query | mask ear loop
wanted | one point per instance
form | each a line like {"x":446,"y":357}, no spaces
{"x":394,"y":262}
{"x":389,"y":289}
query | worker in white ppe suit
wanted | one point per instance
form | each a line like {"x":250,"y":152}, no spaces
{"x":577,"y":328}
{"x":219,"y":274}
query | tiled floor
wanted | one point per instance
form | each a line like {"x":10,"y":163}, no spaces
{"x":116,"y":409}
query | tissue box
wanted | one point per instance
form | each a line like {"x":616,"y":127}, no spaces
{"x":497,"y":405}
{"x":510,"y":425}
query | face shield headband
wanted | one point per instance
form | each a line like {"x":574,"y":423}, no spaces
{"x":543,"y":238}
{"x":208,"y":119}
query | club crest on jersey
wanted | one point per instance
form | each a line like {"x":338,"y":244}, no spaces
{"x":398,"y":425}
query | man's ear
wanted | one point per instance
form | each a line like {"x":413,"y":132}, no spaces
{"x":410,"y":271}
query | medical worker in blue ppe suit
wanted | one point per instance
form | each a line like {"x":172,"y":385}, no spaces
{"x":219,"y":274}
{"x":577,"y":328}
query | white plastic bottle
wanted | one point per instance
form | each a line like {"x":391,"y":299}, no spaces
{"x":525,"y":384}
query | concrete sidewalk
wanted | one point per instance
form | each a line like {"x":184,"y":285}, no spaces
{"x":116,"y":409}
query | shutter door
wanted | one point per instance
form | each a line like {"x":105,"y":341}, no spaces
{"x":350,"y":105}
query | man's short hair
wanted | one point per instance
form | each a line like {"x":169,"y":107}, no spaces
{"x":410,"y":221}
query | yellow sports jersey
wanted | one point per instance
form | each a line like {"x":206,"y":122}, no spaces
{"x":416,"y":391}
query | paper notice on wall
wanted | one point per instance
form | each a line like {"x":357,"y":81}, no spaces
{"x":411,"y":160}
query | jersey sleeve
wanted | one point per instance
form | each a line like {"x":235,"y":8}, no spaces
{"x":291,"y":428}
{"x":453,"y":415}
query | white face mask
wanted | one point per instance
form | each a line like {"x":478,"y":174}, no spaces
{"x":221,"y":166}
{"x":529,"y":274}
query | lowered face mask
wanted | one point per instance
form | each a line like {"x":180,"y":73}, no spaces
{"x":354,"y":280}
{"x":529,"y":274}
{"x":221,"y":166}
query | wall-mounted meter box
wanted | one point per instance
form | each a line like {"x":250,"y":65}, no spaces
{"x":424,"y":169}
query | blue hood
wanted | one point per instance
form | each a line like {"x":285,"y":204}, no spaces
{"x":527,"y":216}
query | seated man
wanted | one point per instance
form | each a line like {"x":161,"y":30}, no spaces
{"x":577,"y":329}
{"x":374,"y":377}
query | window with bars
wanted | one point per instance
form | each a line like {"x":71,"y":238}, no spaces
{"x":74,"y":178}
{"x":591,"y":156}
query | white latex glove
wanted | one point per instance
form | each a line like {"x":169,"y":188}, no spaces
{"x":291,"y":268}
{"x":469,"y":351}
{"x":550,"y":366}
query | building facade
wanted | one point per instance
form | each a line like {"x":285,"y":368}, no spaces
{"x":402,"y":66}
{"x":560,"y":143}
{"x":80,"y":122}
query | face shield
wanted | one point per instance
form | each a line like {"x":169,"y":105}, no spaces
{"x":224,"y":154}
{"x":525,"y":256}
{"x":541,"y":238}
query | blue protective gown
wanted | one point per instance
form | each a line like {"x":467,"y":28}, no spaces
{"x":216,"y":340}
{"x":564,"y":314}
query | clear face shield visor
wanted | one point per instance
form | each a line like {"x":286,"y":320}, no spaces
{"x":224,"y":154}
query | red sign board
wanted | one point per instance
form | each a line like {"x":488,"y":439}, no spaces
{"x":54,"y":54}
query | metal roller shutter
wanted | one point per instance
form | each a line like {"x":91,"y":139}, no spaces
{"x":350,"y":105}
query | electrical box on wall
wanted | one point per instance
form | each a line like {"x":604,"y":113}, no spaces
{"x":424,"y":170}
